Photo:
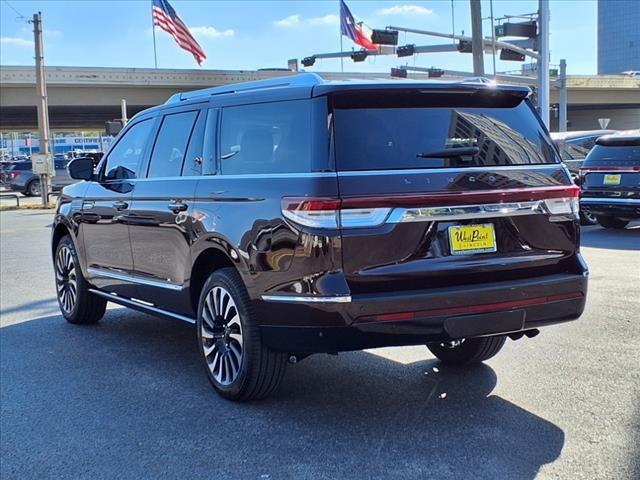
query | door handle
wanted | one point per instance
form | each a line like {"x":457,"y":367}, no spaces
{"x":119,"y":205}
{"x":177,"y":207}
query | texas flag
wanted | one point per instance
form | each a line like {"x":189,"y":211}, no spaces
{"x":360,"y":33}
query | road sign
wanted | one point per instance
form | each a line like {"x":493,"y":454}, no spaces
{"x":604,"y":122}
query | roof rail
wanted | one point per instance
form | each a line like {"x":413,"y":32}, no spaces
{"x":299,"y":80}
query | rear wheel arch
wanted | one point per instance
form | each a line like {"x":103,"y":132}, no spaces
{"x":205,"y":264}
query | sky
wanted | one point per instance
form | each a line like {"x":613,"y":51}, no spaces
{"x":247,"y":35}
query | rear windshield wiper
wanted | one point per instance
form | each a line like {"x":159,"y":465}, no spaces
{"x":450,"y":152}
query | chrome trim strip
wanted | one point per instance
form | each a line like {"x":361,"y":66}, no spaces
{"x":588,"y":200}
{"x":306,"y":299}
{"x":466,"y":212}
{"x":98,"y":272}
{"x":411,"y":171}
{"x":141,"y":306}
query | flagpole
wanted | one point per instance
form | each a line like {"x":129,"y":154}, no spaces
{"x":153,"y":29}
{"x":341,"y":58}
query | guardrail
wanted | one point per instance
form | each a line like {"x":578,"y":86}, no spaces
{"x":11,"y":195}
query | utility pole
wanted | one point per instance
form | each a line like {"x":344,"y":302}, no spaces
{"x":543,"y":61}
{"x":562,"y":97}
{"x":477,"y":42}
{"x":43,"y":110}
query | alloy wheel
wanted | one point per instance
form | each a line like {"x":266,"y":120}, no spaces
{"x":66,"y":280}
{"x":221,"y":335}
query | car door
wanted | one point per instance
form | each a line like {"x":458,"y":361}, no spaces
{"x":160,"y":213}
{"x":103,"y":226}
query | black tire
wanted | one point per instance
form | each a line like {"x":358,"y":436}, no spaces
{"x":587,"y":217}
{"x":260,"y":369}
{"x":33,"y":188}
{"x":470,"y":351}
{"x":611,"y":222}
{"x":81,"y":307}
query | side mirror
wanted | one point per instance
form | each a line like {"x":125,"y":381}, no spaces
{"x":81,"y":168}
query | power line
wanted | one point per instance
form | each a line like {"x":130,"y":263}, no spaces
{"x":20,"y":16}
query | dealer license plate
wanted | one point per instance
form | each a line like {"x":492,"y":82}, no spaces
{"x":466,"y":239}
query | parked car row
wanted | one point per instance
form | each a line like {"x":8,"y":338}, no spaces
{"x":19,"y":176}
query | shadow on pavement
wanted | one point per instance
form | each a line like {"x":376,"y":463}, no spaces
{"x":129,"y":399}
{"x":610,"y":238}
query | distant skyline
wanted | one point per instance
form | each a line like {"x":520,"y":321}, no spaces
{"x":247,"y":35}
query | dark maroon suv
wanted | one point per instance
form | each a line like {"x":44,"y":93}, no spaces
{"x":297,"y":216}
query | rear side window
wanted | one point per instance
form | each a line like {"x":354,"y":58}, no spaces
{"x":571,"y":151}
{"x":171,"y":145}
{"x":413,"y":134}
{"x":123,"y":160}
{"x":266,"y":138}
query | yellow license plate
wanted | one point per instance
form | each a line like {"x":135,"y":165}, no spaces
{"x":611,"y":179}
{"x":464,"y":239}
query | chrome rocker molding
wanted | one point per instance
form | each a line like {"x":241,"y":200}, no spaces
{"x":141,"y":306}
{"x":307,"y":299}
{"x":131,"y":279}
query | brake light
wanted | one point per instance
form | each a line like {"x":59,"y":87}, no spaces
{"x":330,"y":213}
{"x":14,"y":174}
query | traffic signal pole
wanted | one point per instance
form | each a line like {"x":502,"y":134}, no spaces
{"x":543,"y":60}
{"x":43,"y":111}
{"x":477,"y":42}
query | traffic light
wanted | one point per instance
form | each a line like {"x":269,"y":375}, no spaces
{"x":506,"y":54}
{"x":464,"y":46}
{"x":308,"y":61}
{"x":384,"y":37}
{"x":398,"y":73}
{"x":359,"y":56}
{"x":523,"y":29}
{"x":406,"y":50}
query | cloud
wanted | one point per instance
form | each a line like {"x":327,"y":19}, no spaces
{"x":16,"y":42}
{"x":330,"y":19}
{"x":405,"y":10}
{"x":212,"y":32}
{"x":290,"y":21}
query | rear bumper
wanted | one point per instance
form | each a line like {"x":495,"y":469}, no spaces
{"x":414,"y":318}
{"x":617,"y":207}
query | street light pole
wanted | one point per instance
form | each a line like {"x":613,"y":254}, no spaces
{"x":43,"y":111}
{"x":562,"y":97}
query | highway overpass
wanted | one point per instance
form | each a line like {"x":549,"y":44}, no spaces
{"x":83,"y":98}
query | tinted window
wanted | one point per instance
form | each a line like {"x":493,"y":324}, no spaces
{"x":411,"y":135}
{"x":60,"y":164}
{"x":22,"y":166}
{"x":619,"y":155}
{"x":266,"y":138}
{"x":123,"y":160}
{"x":571,"y":151}
{"x":171,"y":145}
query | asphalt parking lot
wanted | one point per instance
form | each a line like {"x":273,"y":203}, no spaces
{"x":128,"y":398}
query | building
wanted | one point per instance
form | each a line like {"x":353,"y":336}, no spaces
{"x":618,"y":36}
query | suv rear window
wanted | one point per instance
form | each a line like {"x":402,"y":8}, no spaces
{"x":603,"y":154}
{"x":410,"y":135}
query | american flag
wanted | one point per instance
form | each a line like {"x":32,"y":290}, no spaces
{"x":165,"y":17}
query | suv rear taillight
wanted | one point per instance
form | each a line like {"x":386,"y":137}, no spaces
{"x":14,"y":175}
{"x":329,"y":213}
{"x":559,"y":203}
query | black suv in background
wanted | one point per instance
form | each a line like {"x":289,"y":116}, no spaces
{"x":297,"y":216}
{"x":610,"y":179}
